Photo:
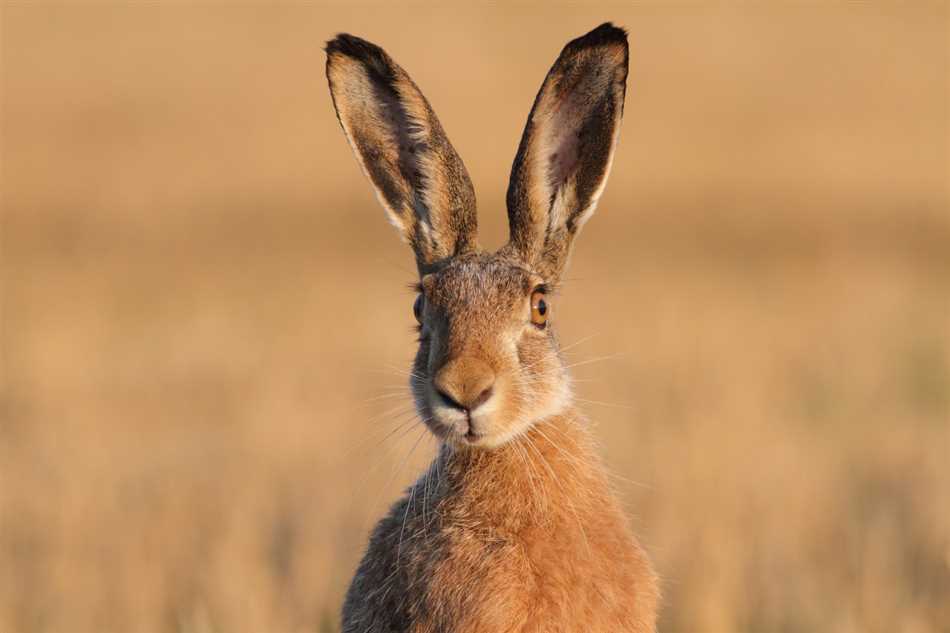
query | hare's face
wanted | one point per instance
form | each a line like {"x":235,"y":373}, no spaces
{"x":487,"y":365}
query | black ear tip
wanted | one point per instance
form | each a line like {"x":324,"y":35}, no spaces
{"x":355,"y":47}
{"x":611,"y":32}
{"x":340,"y":44}
{"x":377,"y":63}
{"x":604,"y":34}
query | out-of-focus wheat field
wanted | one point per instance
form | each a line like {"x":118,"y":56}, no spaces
{"x":205,"y":316}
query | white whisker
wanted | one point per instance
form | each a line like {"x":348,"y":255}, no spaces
{"x":412,"y":492}
{"x":616,"y":405}
{"x":594,"y":360}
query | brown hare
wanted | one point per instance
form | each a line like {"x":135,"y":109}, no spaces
{"x":514,"y":527}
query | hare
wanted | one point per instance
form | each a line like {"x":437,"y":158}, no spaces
{"x":514,"y":527}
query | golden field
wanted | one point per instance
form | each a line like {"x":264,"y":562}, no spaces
{"x":205,"y":316}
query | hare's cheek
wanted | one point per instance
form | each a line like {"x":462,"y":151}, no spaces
{"x":516,"y":404}
{"x":530,"y":354}
{"x":535,"y":354}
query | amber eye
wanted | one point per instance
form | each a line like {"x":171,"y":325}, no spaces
{"x":417,"y":309}
{"x":539,"y":309}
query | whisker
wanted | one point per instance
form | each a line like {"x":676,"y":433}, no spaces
{"x":594,"y":360}
{"x":425,"y":500}
{"x":530,"y":473}
{"x":395,"y":411}
{"x":386,"y":396}
{"x":609,"y":473}
{"x":412,"y":492}
{"x":578,"y":342}
{"x":632,"y":482}
{"x":404,"y":372}
{"x":379,"y":437}
{"x":405,"y":427}
{"x":393,"y":371}
{"x":398,"y":469}
{"x":574,"y":460}
{"x":399,"y":419}
{"x":616,"y":405}
{"x":571,"y":458}
{"x":402,"y":422}
{"x":567,"y":498}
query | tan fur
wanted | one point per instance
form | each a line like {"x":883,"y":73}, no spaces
{"x":528,"y":537}
{"x":514,"y":526}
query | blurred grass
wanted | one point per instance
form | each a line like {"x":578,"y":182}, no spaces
{"x":201,"y":302}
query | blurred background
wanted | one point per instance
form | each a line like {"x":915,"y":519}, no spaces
{"x":206,"y":320}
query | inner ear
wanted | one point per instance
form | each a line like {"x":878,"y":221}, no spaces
{"x":562,"y":163}
{"x":580,"y":111}
{"x":569,"y":111}
{"x":408,"y":135}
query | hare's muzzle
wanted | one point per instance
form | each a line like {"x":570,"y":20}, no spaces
{"x":463,"y":389}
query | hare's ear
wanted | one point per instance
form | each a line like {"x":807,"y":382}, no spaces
{"x":402,"y":148}
{"x":566,"y":150}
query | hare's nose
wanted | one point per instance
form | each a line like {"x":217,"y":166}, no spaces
{"x":465,"y":384}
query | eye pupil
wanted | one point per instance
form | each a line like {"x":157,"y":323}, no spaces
{"x":539,"y":309}
{"x":417,"y":308}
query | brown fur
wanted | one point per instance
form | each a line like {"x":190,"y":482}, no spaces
{"x":514,"y":526}
{"x":402,"y":148}
{"x":527,"y":537}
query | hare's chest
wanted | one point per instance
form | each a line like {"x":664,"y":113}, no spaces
{"x":547,"y":578}
{"x":475,"y":580}
{"x":529,"y":582}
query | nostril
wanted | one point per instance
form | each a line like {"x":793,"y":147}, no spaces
{"x":449,"y":400}
{"x":482,"y":398}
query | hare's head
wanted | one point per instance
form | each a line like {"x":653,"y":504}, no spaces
{"x":488,"y":365}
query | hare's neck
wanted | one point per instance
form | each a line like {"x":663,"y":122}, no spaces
{"x":548,"y":475}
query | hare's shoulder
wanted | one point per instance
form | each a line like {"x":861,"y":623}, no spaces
{"x":429,"y":569}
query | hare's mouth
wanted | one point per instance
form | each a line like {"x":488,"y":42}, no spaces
{"x":457,"y":424}
{"x":460,"y":425}
{"x":469,"y":436}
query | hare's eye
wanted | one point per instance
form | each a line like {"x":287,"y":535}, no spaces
{"x":417,"y":309}
{"x":539,"y":309}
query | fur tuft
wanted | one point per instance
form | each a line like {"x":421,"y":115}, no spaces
{"x":604,"y":34}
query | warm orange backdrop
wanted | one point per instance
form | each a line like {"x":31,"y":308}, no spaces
{"x":202,"y":304}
